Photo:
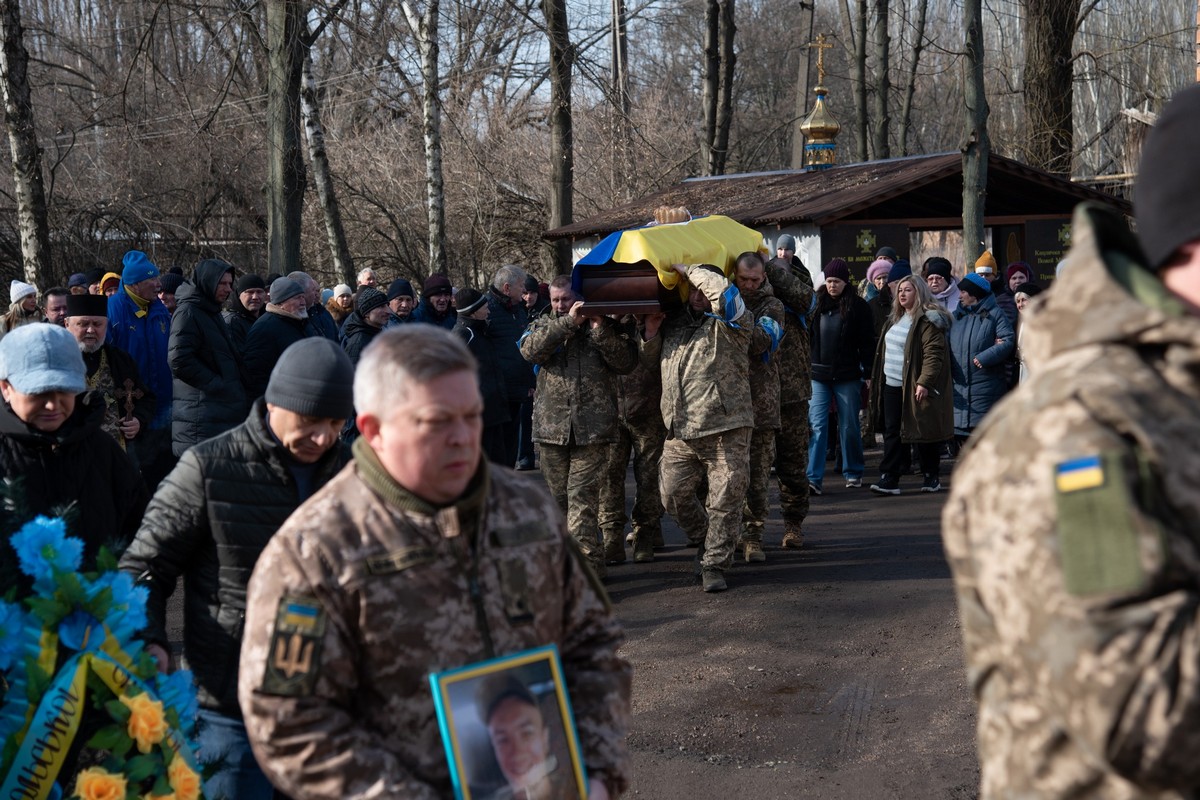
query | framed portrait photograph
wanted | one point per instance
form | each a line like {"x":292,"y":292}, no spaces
{"x":508,"y":729}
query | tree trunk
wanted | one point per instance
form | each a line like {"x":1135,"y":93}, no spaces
{"x":975,"y":147}
{"x":858,"y":74}
{"x":310,"y":109}
{"x":32,"y":217}
{"x":623,"y":166}
{"x":1049,"y":31}
{"x":425,"y":30}
{"x":286,"y":48}
{"x":562,"y":154}
{"x":883,"y":84}
{"x":728,"y":30}
{"x":710,"y":82}
{"x":911,"y":85}
{"x":802,"y":90}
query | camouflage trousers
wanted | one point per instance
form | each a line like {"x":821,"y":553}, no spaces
{"x":573,"y":473}
{"x":644,"y":439}
{"x":791,"y":461}
{"x":723,"y":459}
{"x":762,"y":455}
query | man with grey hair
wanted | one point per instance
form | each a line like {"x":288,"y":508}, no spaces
{"x":417,"y":557}
{"x":508,"y":317}
{"x":366,"y":277}
{"x":320,"y":321}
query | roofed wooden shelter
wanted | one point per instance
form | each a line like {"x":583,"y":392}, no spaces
{"x":850,"y":211}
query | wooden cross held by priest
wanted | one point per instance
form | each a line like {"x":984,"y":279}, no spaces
{"x":129,"y":396}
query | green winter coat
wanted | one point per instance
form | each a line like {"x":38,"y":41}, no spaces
{"x":926,"y":362}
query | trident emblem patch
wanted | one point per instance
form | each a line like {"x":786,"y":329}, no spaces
{"x":294,"y":659}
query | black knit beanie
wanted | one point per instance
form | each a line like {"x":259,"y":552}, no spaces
{"x":368,"y":300}
{"x":248,"y":281}
{"x":313,"y":377}
{"x":1165,"y":200}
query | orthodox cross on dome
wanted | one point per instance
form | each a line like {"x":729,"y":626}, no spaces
{"x":820,"y":45}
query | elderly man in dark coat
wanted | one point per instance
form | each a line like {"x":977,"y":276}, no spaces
{"x":209,"y":395}
{"x":213,"y":515}
{"x":284,"y":323}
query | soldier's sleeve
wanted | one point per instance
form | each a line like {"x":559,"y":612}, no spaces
{"x":650,"y":350}
{"x":1084,"y":601}
{"x":616,"y":346}
{"x":163,"y":547}
{"x":796,"y":293}
{"x":598,"y":679}
{"x":297,"y":682}
{"x":544,"y":337}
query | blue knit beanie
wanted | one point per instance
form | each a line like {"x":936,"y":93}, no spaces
{"x":900,"y":269}
{"x":975,"y":285}
{"x":138,"y":267}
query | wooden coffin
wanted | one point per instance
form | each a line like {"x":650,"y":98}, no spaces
{"x":614,"y":288}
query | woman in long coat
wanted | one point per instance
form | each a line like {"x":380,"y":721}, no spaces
{"x":981,"y":342}
{"x":911,"y":386}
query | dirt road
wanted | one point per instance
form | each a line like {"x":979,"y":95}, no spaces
{"x":831,"y":672}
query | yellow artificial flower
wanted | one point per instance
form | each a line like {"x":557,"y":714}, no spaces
{"x":96,"y":784}
{"x":184,"y":781}
{"x":147,"y":725}
{"x":170,"y":796}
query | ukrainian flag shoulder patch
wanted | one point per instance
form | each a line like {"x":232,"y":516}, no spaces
{"x":1079,"y":474}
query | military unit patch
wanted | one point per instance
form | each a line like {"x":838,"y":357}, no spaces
{"x":400,"y":560}
{"x":294,"y":660}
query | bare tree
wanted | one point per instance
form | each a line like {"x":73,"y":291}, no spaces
{"x":310,"y":109}
{"x":910,"y":85}
{"x":32,"y":218}
{"x":562,"y":149}
{"x":1049,"y":31}
{"x":710,"y":82}
{"x":425,"y":29}
{"x":802,"y":89}
{"x":883,"y":85}
{"x":286,"y":49}
{"x":858,"y":76}
{"x":975,"y":148}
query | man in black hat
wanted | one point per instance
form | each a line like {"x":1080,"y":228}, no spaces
{"x":111,"y":372}
{"x":284,"y":323}
{"x":213,"y":515}
{"x":246,"y":304}
{"x":472,"y":326}
{"x":401,"y":300}
{"x":364,"y":323}
{"x":435,"y":307}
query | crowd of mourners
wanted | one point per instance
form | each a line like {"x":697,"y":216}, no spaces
{"x":183,"y":419}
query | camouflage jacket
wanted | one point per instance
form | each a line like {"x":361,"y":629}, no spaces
{"x":704,"y":364}
{"x":576,"y":399}
{"x":639,"y":394}
{"x":794,"y":287}
{"x":1073,"y":531}
{"x":367,"y":589}
{"x":764,"y":365}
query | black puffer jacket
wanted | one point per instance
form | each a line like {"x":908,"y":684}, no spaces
{"x":842,"y":344}
{"x":275,"y":331}
{"x":507,"y":321}
{"x":356,"y":335}
{"x":209,"y":521}
{"x":79,"y":472}
{"x":239,"y":320}
{"x":491,"y":379}
{"x":209,"y":395}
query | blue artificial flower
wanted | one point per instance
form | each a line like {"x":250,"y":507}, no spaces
{"x":178,"y":691}
{"x":127,"y":614}
{"x":42,"y":546}
{"x":81,"y":631}
{"x":12,"y":625}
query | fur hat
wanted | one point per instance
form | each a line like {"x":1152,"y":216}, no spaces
{"x":975,"y":285}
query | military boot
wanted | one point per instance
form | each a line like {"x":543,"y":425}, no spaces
{"x":753,"y":551}
{"x":713,"y":580}
{"x":751,"y":541}
{"x":643,"y":548}
{"x":793,"y":539}
{"x":614,"y":547}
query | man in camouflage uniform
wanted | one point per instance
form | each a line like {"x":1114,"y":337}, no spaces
{"x":1072,"y":526}
{"x":575,"y":406}
{"x":751,"y":280}
{"x":793,"y":286}
{"x":707,"y":410}
{"x":416,"y":558}
{"x":640,"y":432}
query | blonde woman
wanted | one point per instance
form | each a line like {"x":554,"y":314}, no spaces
{"x":912,"y":398}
